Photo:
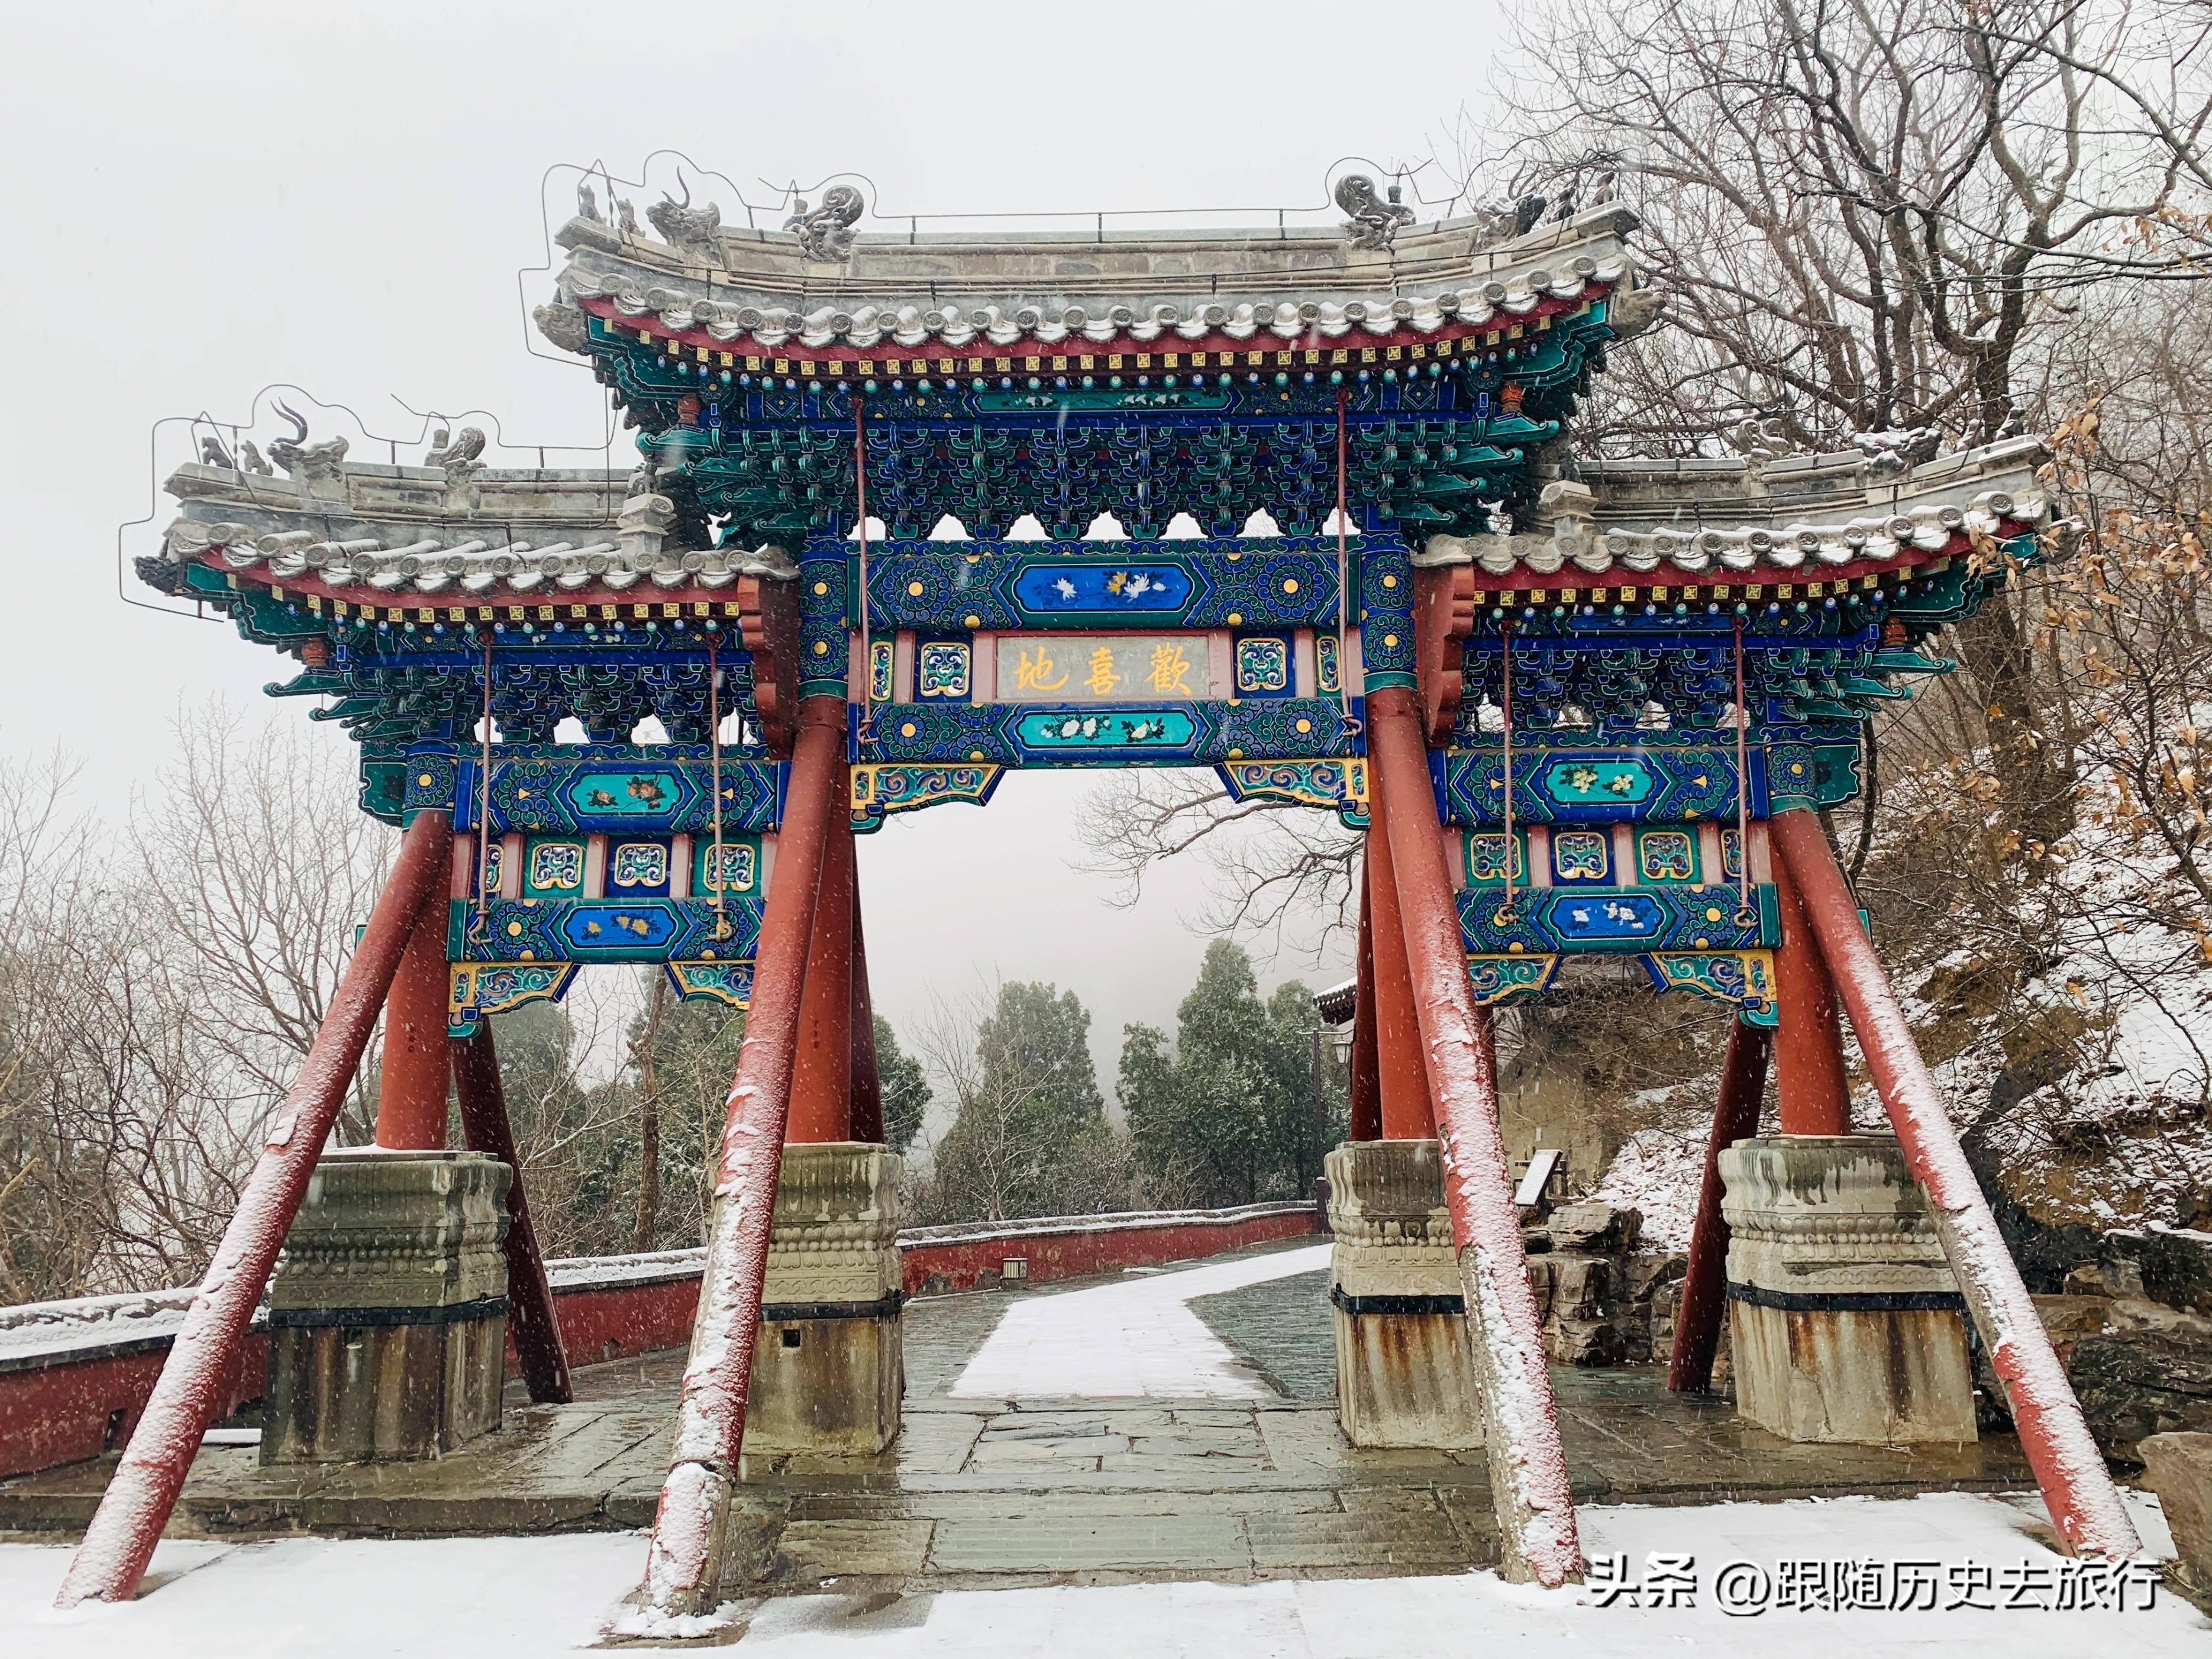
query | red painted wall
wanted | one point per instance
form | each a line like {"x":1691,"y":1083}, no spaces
{"x":58,"y":1413}
{"x":961,"y":1266}
{"x":613,"y":1321}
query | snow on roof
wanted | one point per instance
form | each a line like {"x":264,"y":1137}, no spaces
{"x":375,"y":531}
{"x":1335,"y":1004}
{"x":761,"y":287}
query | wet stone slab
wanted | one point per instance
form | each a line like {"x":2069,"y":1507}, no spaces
{"x":984,"y":1492}
{"x":1411,"y":1539}
{"x":868,"y":1546}
{"x":1184,"y":1545}
{"x":1273,"y":1324}
{"x":940,"y":1335}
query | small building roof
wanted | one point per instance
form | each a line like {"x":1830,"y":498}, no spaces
{"x":1336,"y":1004}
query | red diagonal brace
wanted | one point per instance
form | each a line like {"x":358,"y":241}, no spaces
{"x":684,"y":1567}
{"x":135,"y":1506}
{"x":822,"y":1071}
{"x":1366,"y":1123}
{"x":1698,"y":1318}
{"x":2085,"y":1505}
{"x":1528,"y":1467}
{"x":867,"y":1070}
{"x":1407,"y":1096}
{"x":485,"y":1128}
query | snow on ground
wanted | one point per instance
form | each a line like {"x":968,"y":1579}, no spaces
{"x":1656,"y":1172}
{"x":329,"y":1598}
{"x":1137,"y":1338}
{"x":492,"y":1598}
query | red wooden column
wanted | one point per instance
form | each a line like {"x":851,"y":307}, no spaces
{"x":1698,"y":1319}
{"x":485,"y":1128}
{"x":1537,"y":1533}
{"x":867,"y":1075}
{"x":1401,"y":1075}
{"x":822,"y":1076}
{"x":1366,"y":1080}
{"x":684,"y":1566}
{"x":411,"y":1087}
{"x":1812,"y":1096}
{"x":2084,"y":1504}
{"x":139,"y":1496}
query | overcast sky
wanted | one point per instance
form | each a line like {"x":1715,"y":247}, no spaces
{"x":207,"y":199}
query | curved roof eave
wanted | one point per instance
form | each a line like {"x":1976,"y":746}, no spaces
{"x":954,"y":290}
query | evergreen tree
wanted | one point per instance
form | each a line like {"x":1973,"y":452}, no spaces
{"x":905,"y":1088}
{"x":1149,"y":1090}
{"x":1030,"y":1136}
{"x":1037,"y":1044}
{"x":1200,"y":1121}
{"x":1314,"y":1087}
{"x":1231,"y":1116}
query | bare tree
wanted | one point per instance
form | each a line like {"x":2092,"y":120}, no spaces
{"x":680,"y":1057}
{"x":1862,"y":213}
{"x":643,"y":1055}
{"x":1272,"y":864}
{"x":575,"y":1128}
{"x":1867,"y":215}
{"x":256,"y":863}
{"x":132,"y":1086}
{"x":51,"y":1197}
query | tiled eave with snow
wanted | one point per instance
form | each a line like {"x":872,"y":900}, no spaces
{"x":959,"y":294}
{"x":373,"y":535}
{"x":1833,"y":516}
{"x":369,"y":533}
{"x":368,"y":568}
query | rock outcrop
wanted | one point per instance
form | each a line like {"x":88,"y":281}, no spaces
{"x":1601,"y":1299}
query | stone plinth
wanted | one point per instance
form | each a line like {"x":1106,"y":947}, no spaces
{"x":1405,"y":1355}
{"x":829,"y":1369}
{"x":1844,"y":1320}
{"x":388,"y":1312}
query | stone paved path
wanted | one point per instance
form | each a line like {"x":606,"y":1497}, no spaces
{"x":1137,"y":1339}
{"x":1283,"y":1325}
{"x":993,"y":1489}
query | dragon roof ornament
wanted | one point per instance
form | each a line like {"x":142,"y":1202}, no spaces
{"x":1374,"y":223}
{"x":826,"y":232}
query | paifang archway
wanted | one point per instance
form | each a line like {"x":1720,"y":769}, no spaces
{"x":1569,"y":718}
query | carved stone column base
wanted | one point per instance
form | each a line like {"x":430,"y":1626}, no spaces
{"x":1405,"y":1355}
{"x":829,"y":1368}
{"x":388,"y":1311}
{"x":1846,"y":1323}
